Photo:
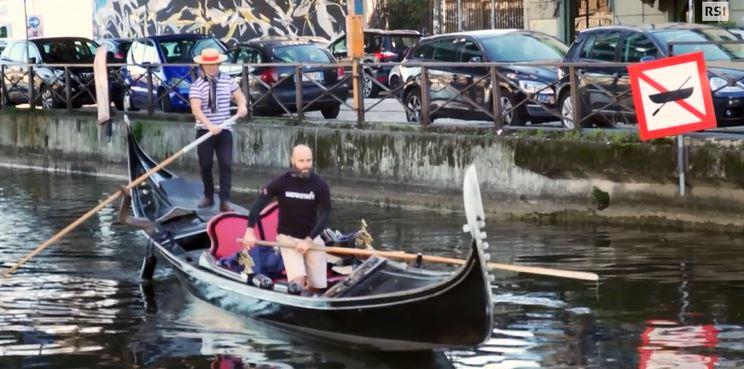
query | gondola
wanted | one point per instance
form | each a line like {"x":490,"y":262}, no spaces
{"x":382,"y":305}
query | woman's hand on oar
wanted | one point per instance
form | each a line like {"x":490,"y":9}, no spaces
{"x":440,"y":259}
{"x":111,"y":198}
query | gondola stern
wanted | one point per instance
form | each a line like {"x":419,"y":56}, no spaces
{"x":479,"y":257}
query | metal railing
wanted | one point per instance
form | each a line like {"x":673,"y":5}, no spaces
{"x":427,"y":91}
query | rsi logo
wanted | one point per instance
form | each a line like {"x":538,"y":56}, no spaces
{"x":715,"y":11}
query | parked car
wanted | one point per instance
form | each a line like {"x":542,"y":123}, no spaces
{"x":49,"y":81}
{"x":459,"y":49}
{"x":380,"y":46}
{"x":170,"y":83}
{"x":632,"y":44}
{"x":290,"y":51}
{"x":116,"y":53}
{"x":737,"y":31}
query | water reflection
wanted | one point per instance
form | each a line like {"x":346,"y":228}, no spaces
{"x":666,"y":299}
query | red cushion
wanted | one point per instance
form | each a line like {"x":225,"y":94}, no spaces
{"x":225,"y":229}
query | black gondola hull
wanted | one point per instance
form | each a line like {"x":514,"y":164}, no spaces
{"x":450,"y":312}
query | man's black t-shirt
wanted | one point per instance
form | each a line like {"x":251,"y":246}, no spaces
{"x":300,"y":202}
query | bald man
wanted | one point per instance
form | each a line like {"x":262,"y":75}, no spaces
{"x":304,"y":209}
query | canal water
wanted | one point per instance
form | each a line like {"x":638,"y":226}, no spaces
{"x":666,"y":299}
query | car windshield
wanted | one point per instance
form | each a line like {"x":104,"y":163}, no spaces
{"x":400,"y":43}
{"x":301,"y":54}
{"x":183,"y":51}
{"x":67,"y":51}
{"x":711,"y":51}
{"x":523,"y":47}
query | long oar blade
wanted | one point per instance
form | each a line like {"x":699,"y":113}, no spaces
{"x":441,"y":259}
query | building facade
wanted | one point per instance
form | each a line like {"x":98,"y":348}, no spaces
{"x":49,"y":18}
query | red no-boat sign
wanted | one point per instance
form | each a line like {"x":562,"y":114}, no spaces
{"x":672,"y":96}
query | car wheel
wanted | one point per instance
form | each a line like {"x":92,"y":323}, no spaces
{"x":127,"y":102}
{"x":164,"y":102}
{"x":369,"y":88}
{"x":413,"y":103}
{"x":47,"y":98}
{"x":512,"y":116}
{"x":567,"y":110}
{"x":331,"y":112}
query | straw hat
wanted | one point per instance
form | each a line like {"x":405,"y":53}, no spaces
{"x":210,"y":56}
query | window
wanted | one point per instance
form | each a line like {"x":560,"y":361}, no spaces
{"x":446,"y":51}
{"x":601,"y":46}
{"x":399,"y":43}
{"x":425,"y":51}
{"x":637,"y":46}
{"x":135,"y":53}
{"x":301,"y":54}
{"x":248,"y":55}
{"x":150,"y":53}
{"x":66,"y":50}
{"x":17,"y":52}
{"x":372,"y":43}
{"x":469,"y":50}
{"x":339,"y":47}
{"x":33,"y":52}
{"x":700,"y":42}
{"x":516,"y":47}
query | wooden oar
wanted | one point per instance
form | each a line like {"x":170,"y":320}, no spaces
{"x":111,"y":198}
{"x":440,"y":259}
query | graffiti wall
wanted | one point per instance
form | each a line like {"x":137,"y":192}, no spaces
{"x":228,"y":20}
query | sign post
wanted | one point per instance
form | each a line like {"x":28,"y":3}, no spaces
{"x":355,"y":47}
{"x":672,"y":97}
{"x":34,"y":26}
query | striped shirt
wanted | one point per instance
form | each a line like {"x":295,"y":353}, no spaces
{"x":225,"y":87}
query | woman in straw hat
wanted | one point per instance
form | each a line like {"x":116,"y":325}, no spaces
{"x":210,"y":102}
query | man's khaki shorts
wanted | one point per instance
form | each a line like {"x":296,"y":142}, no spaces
{"x":311,"y":265}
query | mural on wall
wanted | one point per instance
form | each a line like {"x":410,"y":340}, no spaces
{"x":229,"y":20}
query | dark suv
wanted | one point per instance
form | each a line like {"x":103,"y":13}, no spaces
{"x":278,"y":50}
{"x":460,"y":49}
{"x":604,"y":91}
{"x":380,"y":46}
{"x":49,"y":81}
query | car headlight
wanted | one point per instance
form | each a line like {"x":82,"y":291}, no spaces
{"x":534,"y":87}
{"x":717,"y":83}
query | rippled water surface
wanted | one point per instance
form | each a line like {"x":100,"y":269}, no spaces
{"x":666,"y":299}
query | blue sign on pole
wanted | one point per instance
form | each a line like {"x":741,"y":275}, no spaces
{"x":33,"y":21}
{"x":359,"y":7}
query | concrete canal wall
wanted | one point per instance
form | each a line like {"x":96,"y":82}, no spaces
{"x":558,"y":177}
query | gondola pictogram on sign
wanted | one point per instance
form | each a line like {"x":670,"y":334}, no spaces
{"x":672,"y":96}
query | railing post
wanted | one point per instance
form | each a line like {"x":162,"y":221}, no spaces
{"x":681,"y":163}
{"x":150,"y":105}
{"x":425,"y":121}
{"x":358,"y":80}
{"x":31,"y":88}
{"x":246,"y":92}
{"x":3,"y":89}
{"x":575,"y":102}
{"x":68,"y":90}
{"x":298,"y":93}
{"x":496,"y":99}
